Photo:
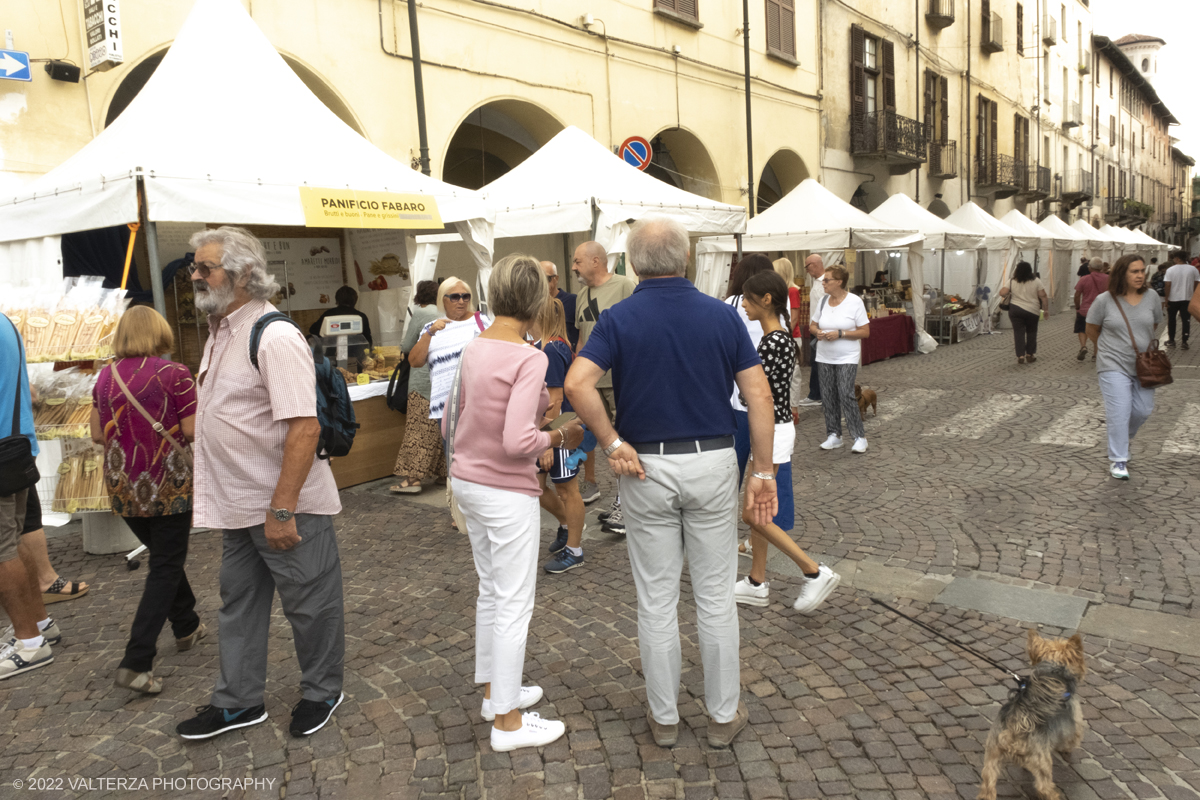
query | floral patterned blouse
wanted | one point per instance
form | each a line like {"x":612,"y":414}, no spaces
{"x":145,"y":475}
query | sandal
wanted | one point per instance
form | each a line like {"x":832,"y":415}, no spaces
{"x":406,"y":486}
{"x":56,"y":593}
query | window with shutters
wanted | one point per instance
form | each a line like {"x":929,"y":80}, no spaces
{"x":781,"y":28}
{"x":1020,"y":29}
{"x":685,"y":11}
{"x":943,"y":154}
{"x":875,"y":127}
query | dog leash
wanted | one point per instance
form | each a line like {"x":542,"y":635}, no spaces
{"x":1021,"y":682}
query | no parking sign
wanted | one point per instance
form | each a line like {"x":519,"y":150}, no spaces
{"x":636,"y":152}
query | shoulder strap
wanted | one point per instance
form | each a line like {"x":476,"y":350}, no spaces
{"x":1128,"y":327}
{"x":158,"y":426}
{"x":479,"y":322}
{"x":257,"y":331}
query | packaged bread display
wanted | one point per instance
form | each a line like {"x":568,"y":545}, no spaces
{"x":62,"y":406}
{"x":81,"y":479}
{"x":74,"y":324}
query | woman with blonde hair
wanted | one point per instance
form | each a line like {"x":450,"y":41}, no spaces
{"x":442,"y":341}
{"x":785,"y":270}
{"x":143,"y":413}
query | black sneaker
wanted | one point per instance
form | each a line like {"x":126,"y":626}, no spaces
{"x":564,"y":562}
{"x":210,"y":721}
{"x":309,"y":716}
{"x":560,"y":541}
{"x":615,"y":523}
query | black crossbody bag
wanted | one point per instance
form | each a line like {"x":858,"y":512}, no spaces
{"x":18,"y":465}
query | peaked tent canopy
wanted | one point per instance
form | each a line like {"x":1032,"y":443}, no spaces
{"x":1054,"y":261}
{"x":1061,"y":230}
{"x":244,"y":173}
{"x":1027,"y":227}
{"x":997,"y":235}
{"x":902,"y":211}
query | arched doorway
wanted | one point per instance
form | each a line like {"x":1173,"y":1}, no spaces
{"x":783,"y":172}
{"x":682,"y":160}
{"x":133,"y":82}
{"x":493,"y":139}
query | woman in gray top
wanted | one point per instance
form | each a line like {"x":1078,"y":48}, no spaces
{"x":422,"y":458}
{"x":1126,"y":404}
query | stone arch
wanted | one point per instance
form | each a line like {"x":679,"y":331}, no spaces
{"x":137,"y":76}
{"x":783,"y":172}
{"x":682,"y":160}
{"x":493,"y":138}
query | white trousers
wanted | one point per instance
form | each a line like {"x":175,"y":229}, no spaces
{"x":503,"y":527}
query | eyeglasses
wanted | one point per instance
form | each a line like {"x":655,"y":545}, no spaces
{"x":204,"y":269}
{"x":828,"y":280}
{"x":459,"y":297}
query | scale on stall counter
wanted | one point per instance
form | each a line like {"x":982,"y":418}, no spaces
{"x":340,"y":336}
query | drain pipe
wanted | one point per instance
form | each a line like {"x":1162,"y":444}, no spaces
{"x":418,"y":84}
{"x":919,"y":93}
{"x":749,"y":127}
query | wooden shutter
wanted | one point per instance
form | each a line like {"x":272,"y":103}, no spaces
{"x":887,"y":51}
{"x":858,"y":74}
{"x":787,"y":27}
{"x":993,"y":149}
{"x":985,"y":12}
{"x":773,"y":25}
{"x":687,"y":8}
{"x":1017,"y":144}
{"x":945,"y":106}
{"x":1020,"y":28}
{"x":980,"y":127}
{"x":930,"y":101}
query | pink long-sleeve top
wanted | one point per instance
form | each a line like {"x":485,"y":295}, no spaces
{"x":502,"y":398}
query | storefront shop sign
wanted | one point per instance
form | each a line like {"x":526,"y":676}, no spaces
{"x":102,"y":21}
{"x":343,"y":208}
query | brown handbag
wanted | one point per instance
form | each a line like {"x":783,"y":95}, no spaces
{"x":184,"y":453}
{"x":1153,"y":367}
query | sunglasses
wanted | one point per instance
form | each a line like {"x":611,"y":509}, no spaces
{"x":203,"y":269}
{"x":459,"y":297}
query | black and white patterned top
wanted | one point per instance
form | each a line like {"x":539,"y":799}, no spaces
{"x":778,"y":355}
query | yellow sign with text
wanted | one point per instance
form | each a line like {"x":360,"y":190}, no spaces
{"x":346,"y":208}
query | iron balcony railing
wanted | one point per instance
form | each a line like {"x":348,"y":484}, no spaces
{"x":1169,"y":218}
{"x":1114,"y":207}
{"x":1037,"y":181}
{"x":940,"y":14}
{"x":1077,"y":183}
{"x":993,"y":33}
{"x":1072,"y":116}
{"x":943,"y":160}
{"x":1000,"y":171}
{"x":886,"y":134}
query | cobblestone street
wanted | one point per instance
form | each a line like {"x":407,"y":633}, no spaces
{"x":983,"y":507}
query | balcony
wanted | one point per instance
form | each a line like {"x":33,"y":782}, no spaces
{"x":940,"y":14}
{"x":1049,"y":30}
{"x":1126,"y":211}
{"x":1085,"y":62}
{"x":1169,"y":219}
{"x":1036,"y":185}
{"x":992,"y":35}
{"x":1072,"y":116}
{"x":1077,"y":187}
{"x":900,"y":142}
{"x":943,"y":160}
{"x":1000,"y":175}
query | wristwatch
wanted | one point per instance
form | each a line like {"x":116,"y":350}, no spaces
{"x":281,"y":514}
{"x":612,"y":448}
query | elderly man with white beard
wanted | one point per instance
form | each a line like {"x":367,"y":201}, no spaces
{"x":258,"y":480}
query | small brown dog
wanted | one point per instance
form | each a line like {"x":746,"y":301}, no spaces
{"x":865,"y":397}
{"x":1042,"y":717}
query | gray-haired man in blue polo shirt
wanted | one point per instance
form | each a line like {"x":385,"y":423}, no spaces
{"x":675,"y":355}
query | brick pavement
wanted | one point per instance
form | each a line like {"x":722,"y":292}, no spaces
{"x":847,"y":702}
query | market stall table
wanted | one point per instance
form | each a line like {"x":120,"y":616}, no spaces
{"x":381,"y":430}
{"x":890,"y":336}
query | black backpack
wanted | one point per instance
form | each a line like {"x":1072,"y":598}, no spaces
{"x":335,"y":412}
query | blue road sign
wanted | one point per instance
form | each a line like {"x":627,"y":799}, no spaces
{"x":14,"y":65}
{"x":635,"y":151}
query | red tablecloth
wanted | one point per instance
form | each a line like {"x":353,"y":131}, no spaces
{"x":890,"y":336}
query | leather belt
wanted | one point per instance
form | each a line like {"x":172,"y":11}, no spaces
{"x":682,"y":448}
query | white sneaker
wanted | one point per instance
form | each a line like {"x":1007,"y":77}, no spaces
{"x":815,"y":590}
{"x":748,"y":594}
{"x":1119,"y":470}
{"x":748,"y":552}
{"x":528,"y":696}
{"x":860,"y":445}
{"x":15,"y":658}
{"x":534,"y":732}
{"x":832,"y":443}
{"x":808,"y":403}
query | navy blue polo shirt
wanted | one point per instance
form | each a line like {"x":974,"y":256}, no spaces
{"x":568,"y":301}
{"x":673,"y":352}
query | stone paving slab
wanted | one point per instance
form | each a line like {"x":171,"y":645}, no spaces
{"x":1143,"y":627}
{"x":1027,"y":605}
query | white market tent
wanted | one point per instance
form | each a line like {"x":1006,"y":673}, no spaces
{"x":1151,"y":247}
{"x":943,"y":239}
{"x":263,"y":137}
{"x":1081,"y":246}
{"x":1103,"y":245}
{"x":1052,"y":260}
{"x":1125,"y":243}
{"x":573,"y":183}
{"x":814,"y":219}
{"x":1002,"y":248}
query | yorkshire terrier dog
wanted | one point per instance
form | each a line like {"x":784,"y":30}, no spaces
{"x":865,"y":397}
{"x":1041,"y":717}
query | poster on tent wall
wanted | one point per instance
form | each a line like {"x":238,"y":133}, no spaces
{"x":310,"y":270}
{"x":384,"y":280}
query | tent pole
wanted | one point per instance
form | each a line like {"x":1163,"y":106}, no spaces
{"x":595,"y":218}
{"x":738,"y":238}
{"x":749,"y":131}
{"x":156,"y":287}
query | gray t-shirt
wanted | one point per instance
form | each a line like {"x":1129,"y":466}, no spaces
{"x":418,"y":378}
{"x":1114,"y":352}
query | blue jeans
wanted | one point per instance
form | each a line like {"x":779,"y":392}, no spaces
{"x":814,"y":374}
{"x":1126,"y":406}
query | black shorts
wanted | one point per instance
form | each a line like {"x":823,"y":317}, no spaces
{"x":33,"y":512}
{"x":1080,"y":323}
{"x":559,"y":472}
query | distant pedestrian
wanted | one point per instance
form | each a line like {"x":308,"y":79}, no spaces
{"x":566,"y":298}
{"x":815,"y":268}
{"x":258,"y":480}
{"x":1127,"y":405}
{"x":1158,"y":280}
{"x":1029,"y":302}
{"x":764,"y":300}
{"x":1087,"y":289}
{"x":144,"y":414}
{"x":422,"y":457}
{"x":840,"y":323}
{"x":673,"y":448}
{"x":1084,"y":267}
{"x":784,"y":268}
{"x":1178,"y":285}
{"x":494,"y":449}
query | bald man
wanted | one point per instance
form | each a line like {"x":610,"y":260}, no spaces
{"x":602,"y":290}
{"x":815,"y":267}
{"x":566,"y":298}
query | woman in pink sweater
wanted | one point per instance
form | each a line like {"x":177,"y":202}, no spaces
{"x":494,"y":475}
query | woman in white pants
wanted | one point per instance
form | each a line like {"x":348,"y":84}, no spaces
{"x":1125,"y":307}
{"x":496,"y":443}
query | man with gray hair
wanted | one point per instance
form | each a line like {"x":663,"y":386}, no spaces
{"x":675,"y":355}
{"x":1087,"y":289}
{"x":258,"y":480}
